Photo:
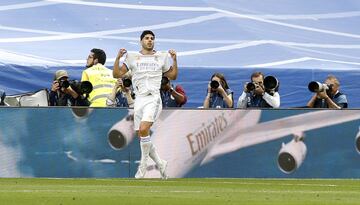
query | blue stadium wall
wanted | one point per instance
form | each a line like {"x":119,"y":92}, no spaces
{"x":55,"y":142}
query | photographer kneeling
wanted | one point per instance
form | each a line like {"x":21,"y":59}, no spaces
{"x":327,"y":95}
{"x":171,"y":97}
{"x":219,"y":94}
{"x":260,"y":92}
{"x":68,"y":93}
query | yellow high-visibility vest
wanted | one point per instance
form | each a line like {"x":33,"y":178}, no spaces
{"x":102,"y":81}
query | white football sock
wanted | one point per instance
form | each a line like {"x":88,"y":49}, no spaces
{"x":145,"y":145}
{"x":154,"y":155}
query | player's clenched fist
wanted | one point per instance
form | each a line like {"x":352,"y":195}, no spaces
{"x":121,"y":53}
{"x":172,"y":54}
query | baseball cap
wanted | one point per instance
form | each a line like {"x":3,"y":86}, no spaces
{"x":60,"y":73}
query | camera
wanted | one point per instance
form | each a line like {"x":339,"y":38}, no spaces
{"x":63,"y":83}
{"x":127,"y":82}
{"x":250,"y":86}
{"x":164,"y":80}
{"x":84,"y":87}
{"x":214,"y":84}
{"x":315,"y":87}
{"x":271,"y":84}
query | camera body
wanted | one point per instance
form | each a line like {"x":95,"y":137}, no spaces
{"x":316,"y":87}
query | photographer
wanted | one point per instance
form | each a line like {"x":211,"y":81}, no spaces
{"x":327,"y":95}
{"x":219,"y":94}
{"x":61,"y":93}
{"x":2,"y":97}
{"x":171,"y":97}
{"x":122,"y":94}
{"x":256,"y":94}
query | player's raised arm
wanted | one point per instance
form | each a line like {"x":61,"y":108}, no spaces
{"x":119,"y":70}
{"x":173,"y":72}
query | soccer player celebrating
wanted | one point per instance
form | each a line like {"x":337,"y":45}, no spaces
{"x":147,"y":67}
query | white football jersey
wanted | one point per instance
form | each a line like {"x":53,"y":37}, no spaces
{"x":147,"y":71}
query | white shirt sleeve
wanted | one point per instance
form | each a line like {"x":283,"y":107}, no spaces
{"x":167,"y":63}
{"x":125,"y":60}
{"x":273,"y":101}
{"x":242,"y":101}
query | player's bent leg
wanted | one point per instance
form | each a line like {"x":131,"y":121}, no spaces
{"x":161,"y":164}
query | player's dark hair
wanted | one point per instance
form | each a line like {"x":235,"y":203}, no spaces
{"x":144,"y":33}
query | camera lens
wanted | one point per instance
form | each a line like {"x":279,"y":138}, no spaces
{"x":127,"y":82}
{"x":86,"y":87}
{"x":315,"y":86}
{"x":214,"y":84}
{"x":64,"y":83}
{"x":270,"y":82}
{"x":250,"y":86}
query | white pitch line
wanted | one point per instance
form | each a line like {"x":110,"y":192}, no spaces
{"x":154,"y":27}
{"x":192,"y":41}
{"x":197,"y":41}
{"x":311,"y":50}
{"x":294,"y":26}
{"x":234,"y":14}
{"x":11,"y":28}
{"x":237,"y":182}
{"x":28,"y":59}
{"x":115,"y":31}
{"x":251,"y":44}
{"x":262,"y":42}
{"x":145,"y":190}
{"x":297,"y":60}
{"x":277,"y":63}
{"x":27,"y":5}
{"x":134,"y":6}
{"x":335,"y":15}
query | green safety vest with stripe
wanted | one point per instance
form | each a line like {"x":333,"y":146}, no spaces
{"x":102,"y":81}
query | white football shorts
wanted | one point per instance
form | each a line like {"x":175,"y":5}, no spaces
{"x":146,"y":108}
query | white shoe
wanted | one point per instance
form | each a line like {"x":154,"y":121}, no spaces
{"x":162,"y":169}
{"x":140,"y":172}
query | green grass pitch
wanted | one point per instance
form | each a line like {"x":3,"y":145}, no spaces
{"x":178,"y":191}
